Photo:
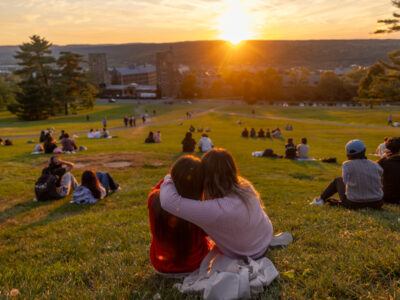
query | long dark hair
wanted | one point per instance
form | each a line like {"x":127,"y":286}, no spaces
{"x":221,"y":178}
{"x":188,"y":179}
{"x":90,"y":181}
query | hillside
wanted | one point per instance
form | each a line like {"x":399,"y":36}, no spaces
{"x":313,"y":54}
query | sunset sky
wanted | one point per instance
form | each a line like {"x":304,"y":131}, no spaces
{"x":127,"y":21}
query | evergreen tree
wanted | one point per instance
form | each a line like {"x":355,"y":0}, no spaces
{"x":34,"y":99}
{"x":72,"y":88}
{"x":391,"y":24}
{"x":7,"y":96}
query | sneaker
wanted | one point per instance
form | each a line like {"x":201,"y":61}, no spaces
{"x":318,"y":202}
{"x":283,"y":239}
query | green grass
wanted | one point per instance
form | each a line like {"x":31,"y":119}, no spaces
{"x":58,"y":250}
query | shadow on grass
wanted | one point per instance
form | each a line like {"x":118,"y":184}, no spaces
{"x":384,"y":216}
{"x":61,"y":212}
{"x":20,"y":208}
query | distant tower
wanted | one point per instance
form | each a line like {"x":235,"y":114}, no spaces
{"x":167,"y":78}
{"x":98,"y":69}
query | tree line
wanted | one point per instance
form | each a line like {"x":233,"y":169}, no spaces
{"x":44,"y":86}
{"x":270,"y":85}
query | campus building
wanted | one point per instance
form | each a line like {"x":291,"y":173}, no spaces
{"x":144,"y":74}
{"x":167,"y":74}
{"x":98,"y":69}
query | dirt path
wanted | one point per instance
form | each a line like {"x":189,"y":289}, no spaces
{"x":151,"y":122}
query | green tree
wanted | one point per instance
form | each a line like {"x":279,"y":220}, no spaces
{"x":34,"y":99}
{"x":392,"y":24}
{"x":332,"y":88}
{"x":7,"y":93}
{"x":188,"y":88}
{"x":272,"y":83}
{"x":72,"y":88}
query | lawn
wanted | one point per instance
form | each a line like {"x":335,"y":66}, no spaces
{"x":62,"y":251}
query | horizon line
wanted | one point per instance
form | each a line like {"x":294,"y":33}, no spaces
{"x":213,"y":40}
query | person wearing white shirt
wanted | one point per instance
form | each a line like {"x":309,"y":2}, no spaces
{"x":303,"y":149}
{"x":205,"y":143}
{"x":381,"y":150}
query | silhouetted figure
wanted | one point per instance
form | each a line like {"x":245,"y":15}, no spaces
{"x":188,"y":143}
{"x":253,"y":133}
{"x":245,"y":133}
{"x":290,"y":150}
{"x":261,"y":133}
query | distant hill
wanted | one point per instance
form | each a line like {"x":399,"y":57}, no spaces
{"x":312,"y":54}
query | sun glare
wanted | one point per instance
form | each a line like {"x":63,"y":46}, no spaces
{"x":235,"y":23}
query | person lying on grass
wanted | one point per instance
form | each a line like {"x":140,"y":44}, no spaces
{"x":94,"y":187}
{"x":361,"y":183}
{"x":391,"y":171}
{"x":177,"y":246}
{"x":231,"y":214}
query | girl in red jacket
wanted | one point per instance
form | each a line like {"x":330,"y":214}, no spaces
{"x":177,"y":246}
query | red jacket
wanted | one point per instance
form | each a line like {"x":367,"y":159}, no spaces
{"x":162,"y":252}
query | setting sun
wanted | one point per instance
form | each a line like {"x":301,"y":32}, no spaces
{"x":235,"y":23}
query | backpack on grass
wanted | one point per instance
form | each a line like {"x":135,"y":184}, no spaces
{"x":46,"y":187}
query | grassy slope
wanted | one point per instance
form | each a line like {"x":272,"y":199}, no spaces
{"x":60,"y":250}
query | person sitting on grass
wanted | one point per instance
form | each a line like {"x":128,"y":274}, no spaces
{"x":277,"y":133}
{"x":268,"y":134}
{"x":261,"y":133}
{"x":361,"y":183}
{"x":391,"y":171}
{"x":253,"y":133}
{"x":157,"y":137}
{"x":177,"y":246}
{"x":94,"y":187}
{"x":382,"y":149}
{"x":68,"y":144}
{"x":8,"y":142}
{"x":232,"y":213}
{"x":303,"y":149}
{"x":290,"y":150}
{"x":90,"y":134}
{"x":1,"y":142}
{"x":61,"y":135}
{"x":97,"y":134}
{"x":188,"y":143}
{"x":42,"y":136}
{"x":205,"y":143}
{"x":49,"y":144}
{"x":150,"y":138}
{"x":105,"y":134}
{"x":245,"y":133}
{"x":56,"y":181}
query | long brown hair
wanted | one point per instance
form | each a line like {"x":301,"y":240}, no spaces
{"x":221,"y":178}
{"x":90,"y":181}
{"x":188,"y":179}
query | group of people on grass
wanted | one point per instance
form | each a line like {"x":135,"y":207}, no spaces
{"x":97,"y":134}
{"x":189,"y":143}
{"x":130,"y":121}
{"x":275,"y":133}
{"x":153,"y":138}
{"x":57,"y":182}
{"x":48,"y":143}
{"x":365,"y":183}
{"x":5,"y":142}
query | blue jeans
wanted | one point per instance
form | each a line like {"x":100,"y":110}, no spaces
{"x":107,"y":181}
